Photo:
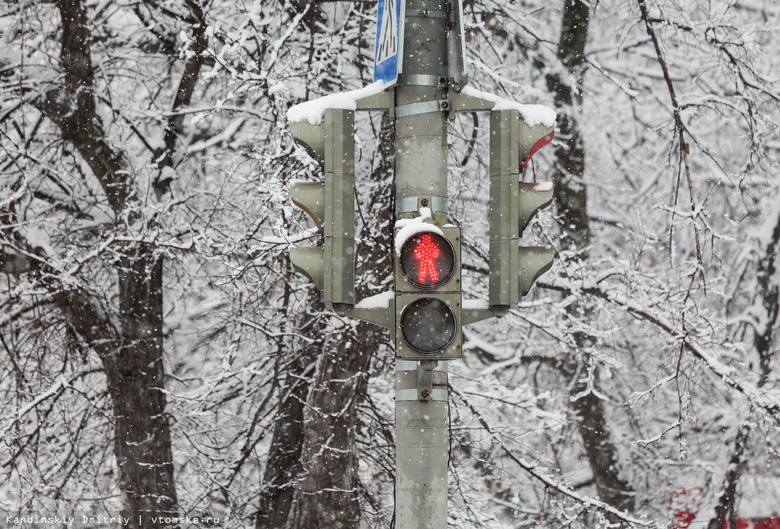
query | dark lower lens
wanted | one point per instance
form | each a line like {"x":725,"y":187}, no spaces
{"x":428,"y":325}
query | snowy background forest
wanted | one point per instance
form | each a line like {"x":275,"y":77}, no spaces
{"x":159,"y":355}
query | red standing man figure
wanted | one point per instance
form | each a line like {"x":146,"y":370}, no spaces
{"x":427,"y":252}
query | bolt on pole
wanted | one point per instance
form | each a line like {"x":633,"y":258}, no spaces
{"x":422,"y":434}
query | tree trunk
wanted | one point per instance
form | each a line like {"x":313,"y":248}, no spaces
{"x":724,"y":510}
{"x":572,"y":200}
{"x":571,"y":195}
{"x":601,"y":451}
{"x":327,"y":495}
{"x":283,"y":469}
{"x":132,"y":354}
{"x":763,"y":338}
{"x":136,"y":384}
{"x":284,"y":459}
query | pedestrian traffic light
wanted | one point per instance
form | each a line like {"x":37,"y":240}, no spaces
{"x":330,"y":203}
{"x":427,"y":260}
{"x":512,"y":205}
{"x":428,"y":292}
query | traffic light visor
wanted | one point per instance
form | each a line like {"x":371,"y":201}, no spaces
{"x":427,"y":260}
{"x":428,"y":325}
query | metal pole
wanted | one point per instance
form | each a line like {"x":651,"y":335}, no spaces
{"x":422,"y":441}
{"x":422,"y":434}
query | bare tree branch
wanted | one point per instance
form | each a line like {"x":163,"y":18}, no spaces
{"x":681,"y":132}
{"x":537,"y":473}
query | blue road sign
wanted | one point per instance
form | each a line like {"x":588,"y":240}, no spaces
{"x":389,"y":41}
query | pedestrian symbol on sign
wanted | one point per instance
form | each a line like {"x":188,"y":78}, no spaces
{"x":389,"y":35}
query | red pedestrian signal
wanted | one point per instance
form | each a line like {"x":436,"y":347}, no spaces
{"x":426,"y":253}
{"x":428,"y":296}
{"x":427,"y":260}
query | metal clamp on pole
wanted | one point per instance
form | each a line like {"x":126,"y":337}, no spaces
{"x":412,"y":204}
{"x":424,"y":107}
{"x":424,"y":381}
{"x":419,"y":79}
{"x":425,"y":378}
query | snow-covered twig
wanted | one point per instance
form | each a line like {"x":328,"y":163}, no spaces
{"x":766,"y":400}
{"x":551,"y":482}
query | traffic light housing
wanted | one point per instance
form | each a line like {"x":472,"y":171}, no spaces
{"x":427,"y":291}
{"x":513,"y":269}
{"x":330,"y":203}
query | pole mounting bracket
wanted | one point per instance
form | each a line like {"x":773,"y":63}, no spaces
{"x":419,"y":79}
{"x":430,"y":383}
{"x":423,"y":107}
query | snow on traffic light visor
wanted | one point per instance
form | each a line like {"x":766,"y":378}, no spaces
{"x":427,"y":260}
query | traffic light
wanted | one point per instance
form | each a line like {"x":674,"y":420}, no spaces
{"x":330,"y":204}
{"x":513,"y":204}
{"x":534,"y":260}
{"x":427,"y":291}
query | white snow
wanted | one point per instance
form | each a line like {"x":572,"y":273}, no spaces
{"x":314,"y":110}
{"x":289,"y":239}
{"x":37,"y":239}
{"x":542,"y":186}
{"x":771,"y":214}
{"x":411,"y":227}
{"x":532,"y":114}
{"x":277,"y":88}
{"x":55,"y":388}
{"x":224,"y":136}
{"x":475,"y":304}
{"x":377,"y":301}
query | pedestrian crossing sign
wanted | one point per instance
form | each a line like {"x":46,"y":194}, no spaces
{"x":389,"y":41}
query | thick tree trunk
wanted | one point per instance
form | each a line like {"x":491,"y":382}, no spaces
{"x":130,"y":344}
{"x":283,"y":469}
{"x":769,"y":292}
{"x":280,"y":478}
{"x":571,"y":196}
{"x":133,"y":362}
{"x":724,"y":510}
{"x":136,"y":384}
{"x":763,"y":339}
{"x":327,"y":495}
{"x":572,"y":200}
{"x":601,"y":451}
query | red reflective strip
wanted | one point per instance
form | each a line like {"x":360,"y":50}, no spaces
{"x":538,"y":145}
{"x":427,"y":252}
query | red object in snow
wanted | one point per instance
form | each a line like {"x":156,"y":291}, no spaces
{"x":682,"y":520}
{"x":685,"y":504}
{"x":742,"y":523}
{"x":768,"y":523}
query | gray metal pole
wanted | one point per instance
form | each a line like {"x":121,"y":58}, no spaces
{"x":421,"y":453}
{"x":422,"y":434}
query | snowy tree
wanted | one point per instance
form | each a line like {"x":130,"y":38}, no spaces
{"x":163,"y":357}
{"x":651,"y":303}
